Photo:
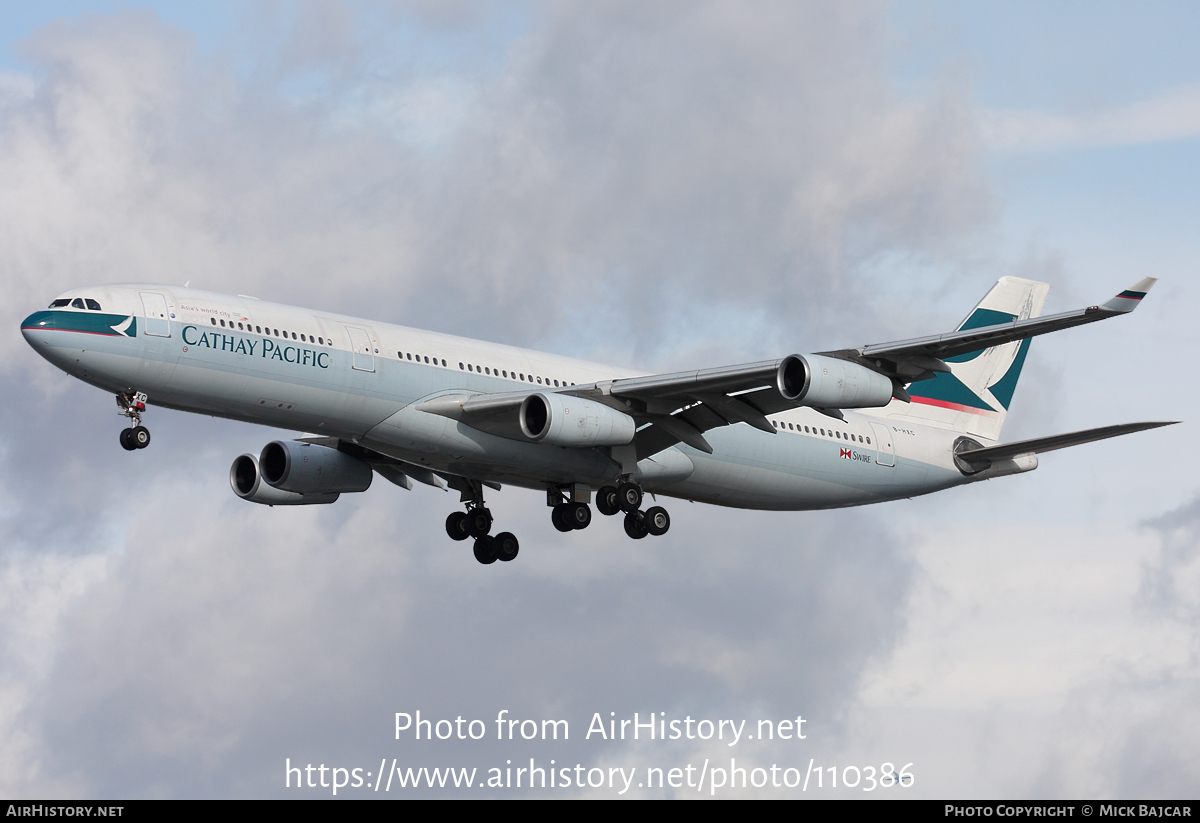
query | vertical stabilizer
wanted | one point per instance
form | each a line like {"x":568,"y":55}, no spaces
{"x":975,"y":395}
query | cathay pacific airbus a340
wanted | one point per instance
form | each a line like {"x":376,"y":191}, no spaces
{"x":838,"y":428}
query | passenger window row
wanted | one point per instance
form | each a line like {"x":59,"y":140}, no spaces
{"x":85,"y":303}
{"x":530,"y":378}
{"x":249,"y":327}
{"x":417,"y":358}
{"x":853,"y":438}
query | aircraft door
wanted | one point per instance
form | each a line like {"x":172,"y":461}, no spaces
{"x":360,"y":341}
{"x":885,"y":450}
{"x":154,"y":306}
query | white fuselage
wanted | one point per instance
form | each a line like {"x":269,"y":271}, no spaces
{"x":361,"y":380}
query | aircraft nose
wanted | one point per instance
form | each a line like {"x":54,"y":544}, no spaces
{"x":38,"y":321}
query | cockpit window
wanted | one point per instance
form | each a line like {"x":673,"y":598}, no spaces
{"x":77,"y":303}
{"x":92,"y":304}
{"x":62,"y":301}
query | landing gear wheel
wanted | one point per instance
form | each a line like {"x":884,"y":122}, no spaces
{"x":484,"y":551}
{"x":141,"y":437}
{"x":559,"y":519}
{"x":456,"y":526}
{"x":629,"y":497}
{"x":606,"y":501}
{"x":505,"y":546}
{"x":656,"y":520}
{"x":127,"y":441}
{"x":578,"y":515}
{"x":634,"y":527}
{"x":479,"y":522}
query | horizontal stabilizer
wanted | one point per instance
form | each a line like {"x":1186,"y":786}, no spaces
{"x":1128,"y":300}
{"x":980,"y":458}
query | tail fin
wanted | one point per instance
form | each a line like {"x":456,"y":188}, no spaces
{"x":975,"y":395}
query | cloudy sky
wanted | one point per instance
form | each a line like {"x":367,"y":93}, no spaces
{"x":656,"y":186}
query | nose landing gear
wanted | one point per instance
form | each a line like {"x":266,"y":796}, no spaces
{"x":136,"y":438}
{"x":132,"y":405}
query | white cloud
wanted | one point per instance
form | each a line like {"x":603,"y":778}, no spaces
{"x":1174,"y":115}
{"x":1034,"y":667}
{"x":36,"y":592}
{"x":647,"y":163}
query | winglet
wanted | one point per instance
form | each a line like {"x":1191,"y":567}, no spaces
{"x":1128,"y":300}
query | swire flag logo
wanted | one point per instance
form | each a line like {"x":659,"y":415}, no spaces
{"x":846,"y":454}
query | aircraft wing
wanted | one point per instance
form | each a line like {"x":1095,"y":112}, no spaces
{"x":401,"y":472}
{"x":920,"y":357}
{"x":681,"y":406}
{"x":397,"y":471}
{"x":668,"y":408}
{"x":981,"y":458}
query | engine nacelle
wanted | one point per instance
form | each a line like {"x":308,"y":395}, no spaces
{"x":247,"y":482}
{"x":829,"y":383}
{"x":306,"y":469}
{"x":565,"y":420}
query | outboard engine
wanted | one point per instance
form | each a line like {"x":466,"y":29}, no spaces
{"x":830,"y":383}
{"x":247,"y":483}
{"x":305,"y":468}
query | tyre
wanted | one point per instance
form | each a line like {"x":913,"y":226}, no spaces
{"x":657,"y":521}
{"x":484,"y":552}
{"x":579,"y":515}
{"x":634,"y":527}
{"x":558,"y":518}
{"x":479,"y":522}
{"x":127,"y":441}
{"x":629,"y":497}
{"x":606,"y":501}
{"x":505,"y":546}
{"x":456,"y":526}
{"x":141,"y":437}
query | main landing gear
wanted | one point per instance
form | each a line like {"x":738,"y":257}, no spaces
{"x":132,"y":405}
{"x":570,"y":511}
{"x":570,"y":507}
{"x":624,"y":497}
{"x":570,"y":516}
{"x":476,"y":522}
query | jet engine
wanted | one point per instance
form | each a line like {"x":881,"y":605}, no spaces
{"x":829,"y":383}
{"x":305,"y":468}
{"x":247,"y":482}
{"x":565,"y":420}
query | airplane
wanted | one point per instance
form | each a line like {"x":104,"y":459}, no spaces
{"x":827,"y":430}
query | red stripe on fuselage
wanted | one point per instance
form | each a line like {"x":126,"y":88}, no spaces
{"x":74,"y":331}
{"x":946,"y":404}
